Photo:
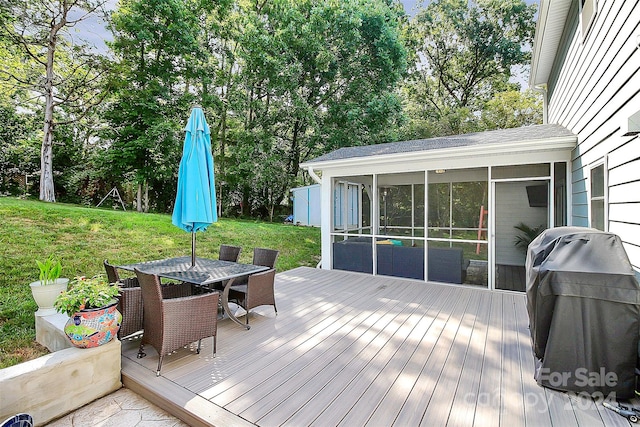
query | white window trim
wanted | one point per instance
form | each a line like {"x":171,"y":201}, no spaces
{"x":602,"y":162}
{"x":585,"y":27}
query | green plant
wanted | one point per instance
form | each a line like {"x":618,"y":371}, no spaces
{"x":50,"y":270}
{"x":86,"y":293}
{"x":526,"y":236}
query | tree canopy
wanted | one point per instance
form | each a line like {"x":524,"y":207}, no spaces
{"x":468,"y":51}
{"x":319,"y":75}
{"x":280,"y":81}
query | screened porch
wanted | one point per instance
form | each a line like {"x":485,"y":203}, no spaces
{"x":474,"y":223}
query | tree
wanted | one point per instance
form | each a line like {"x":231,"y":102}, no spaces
{"x":512,"y":109}
{"x":469,"y":50}
{"x":18,"y":156}
{"x":214,"y":78}
{"x":39,"y":28}
{"x":154,"y":42}
{"x":318,"y":75}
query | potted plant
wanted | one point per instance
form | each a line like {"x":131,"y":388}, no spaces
{"x":526,"y":235}
{"x":90,"y":304}
{"x":49,"y":286}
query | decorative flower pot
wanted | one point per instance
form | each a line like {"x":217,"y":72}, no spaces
{"x":93,"y":327}
{"x":45,"y":295}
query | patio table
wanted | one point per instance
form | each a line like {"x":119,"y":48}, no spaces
{"x":205,"y":272}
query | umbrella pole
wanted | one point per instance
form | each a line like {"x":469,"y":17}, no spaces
{"x":193,"y":249}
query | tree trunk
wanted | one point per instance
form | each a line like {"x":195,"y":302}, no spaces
{"x":219,"y":202}
{"x":294,"y":154}
{"x":146,"y":196}
{"x":139,"y":198}
{"x":47,"y":192}
{"x":47,"y":189}
{"x":36,"y":33}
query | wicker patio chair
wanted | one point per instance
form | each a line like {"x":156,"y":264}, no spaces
{"x":229,"y":253}
{"x":130,"y":301}
{"x":256,"y":292}
{"x":265,"y":257}
{"x":172,"y":323}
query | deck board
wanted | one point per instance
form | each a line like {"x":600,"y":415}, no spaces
{"x":373,"y":399}
{"x":345,"y":369}
{"x":300,"y":378}
{"x":512,"y":404}
{"x":421,"y":395}
{"x":353,"y":349}
{"x":332,"y":327}
{"x":306,"y":366}
{"x":439,"y":408}
{"x":358,"y":398}
{"x":487,"y":411}
{"x":315,"y":315}
{"x":534,"y":397}
{"x":467,"y":389}
{"x":396,"y":392}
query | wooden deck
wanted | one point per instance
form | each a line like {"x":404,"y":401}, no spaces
{"x":352,"y":349}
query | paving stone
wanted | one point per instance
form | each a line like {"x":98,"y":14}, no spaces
{"x":121,"y":408}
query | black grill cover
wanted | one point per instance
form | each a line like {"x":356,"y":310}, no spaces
{"x":583,"y":302}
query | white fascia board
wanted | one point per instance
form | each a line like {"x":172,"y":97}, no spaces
{"x":552,"y":17}
{"x":563,"y":144}
{"x":543,"y":13}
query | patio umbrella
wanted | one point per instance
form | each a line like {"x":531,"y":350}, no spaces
{"x":195,"y":207}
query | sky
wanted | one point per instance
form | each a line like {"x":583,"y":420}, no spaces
{"x":410,"y":6}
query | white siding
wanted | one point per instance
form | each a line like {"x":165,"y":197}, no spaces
{"x":594,"y":88}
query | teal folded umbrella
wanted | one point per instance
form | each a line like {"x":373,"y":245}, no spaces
{"x":195,"y":207}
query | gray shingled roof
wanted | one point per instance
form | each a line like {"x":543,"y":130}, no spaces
{"x":502,"y":136}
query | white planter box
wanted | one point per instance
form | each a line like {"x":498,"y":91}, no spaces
{"x":58,"y":383}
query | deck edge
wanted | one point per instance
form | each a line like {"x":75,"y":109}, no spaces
{"x":176,"y":400}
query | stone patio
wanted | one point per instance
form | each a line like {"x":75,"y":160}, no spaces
{"x":121,"y":408}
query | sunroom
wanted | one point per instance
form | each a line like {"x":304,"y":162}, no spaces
{"x":452,"y":209}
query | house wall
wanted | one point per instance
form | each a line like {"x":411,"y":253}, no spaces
{"x":593,"y":89}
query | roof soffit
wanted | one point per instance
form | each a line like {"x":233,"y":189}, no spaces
{"x":552,"y":17}
{"x":567,"y":144}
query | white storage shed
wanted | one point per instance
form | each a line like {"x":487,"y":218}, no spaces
{"x":306,"y":205}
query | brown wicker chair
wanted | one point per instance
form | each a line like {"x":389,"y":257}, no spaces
{"x":261,"y":286}
{"x":172,"y":323}
{"x":265,"y":257}
{"x":256,"y":292}
{"x":261,"y":256}
{"x":130,"y":301}
{"x":229,"y":253}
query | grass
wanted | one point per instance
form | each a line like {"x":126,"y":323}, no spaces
{"x":83,"y":237}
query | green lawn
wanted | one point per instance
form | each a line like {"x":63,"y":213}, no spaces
{"x":83,"y":237}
